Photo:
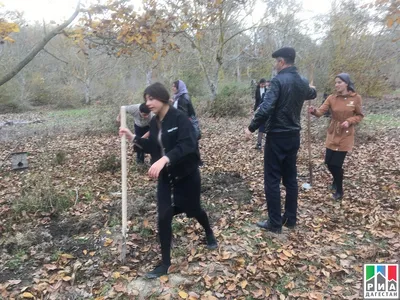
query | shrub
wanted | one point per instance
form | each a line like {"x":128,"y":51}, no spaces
{"x":40,"y":93}
{"x":9,"y":107}
{"x":67,"y":97}
{"x":9,"y":100}
{"x":232,"y":100}
{"x":39,"y":194}
{"x":109,"y":163}
{"x":60,"y":158}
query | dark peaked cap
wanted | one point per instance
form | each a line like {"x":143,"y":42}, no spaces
{"x":285,"y":52}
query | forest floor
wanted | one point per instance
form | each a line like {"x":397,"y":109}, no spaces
{"x":60,"y":219}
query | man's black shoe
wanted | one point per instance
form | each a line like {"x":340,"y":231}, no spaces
{"x":211,"y":242}
{"x":287,"y":224}
{"x":158,"y":272}
{"x":258,"y":146}
{"x":267,"y":226}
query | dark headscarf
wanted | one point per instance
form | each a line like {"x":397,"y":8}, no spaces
{"x":346,"y":78}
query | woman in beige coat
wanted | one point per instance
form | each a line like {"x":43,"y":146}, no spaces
{"x":346,"y":109}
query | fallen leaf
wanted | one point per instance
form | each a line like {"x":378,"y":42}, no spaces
{"x":120,"y":287}
{"x":183,"y":294}
{"x":243,"y":284}
{"x":27,"y":295}
{"x":193,"y":295}
{"x":290,"y":285}
{"x":258,"y":294}
{"x":287,"y":253}
{"x":14,"y":282}
{"x":108,"y":242}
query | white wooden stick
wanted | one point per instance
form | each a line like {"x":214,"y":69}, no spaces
{"x":124,"y":184}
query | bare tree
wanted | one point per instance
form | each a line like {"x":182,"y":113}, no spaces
{"x":39,"y":46}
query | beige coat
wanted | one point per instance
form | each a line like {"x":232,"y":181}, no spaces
{"x":343,"y":108}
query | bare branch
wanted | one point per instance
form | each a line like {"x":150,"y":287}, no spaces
{"x":39,"y":47}
{"x":44,"y":49}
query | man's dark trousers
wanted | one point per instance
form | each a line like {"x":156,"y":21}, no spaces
{"x":140,"y":131}
{"x":280,"y":162}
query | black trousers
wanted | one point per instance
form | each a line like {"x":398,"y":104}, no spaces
{"x":186,"y":199}
{"x":280,"y":157}
{"x":140,"y":131}
{"x":334,"y":161}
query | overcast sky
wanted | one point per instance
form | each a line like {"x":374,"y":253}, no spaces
{"x":58,"y":10}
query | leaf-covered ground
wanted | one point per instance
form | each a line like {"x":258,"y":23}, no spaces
{"x":60,"y":219}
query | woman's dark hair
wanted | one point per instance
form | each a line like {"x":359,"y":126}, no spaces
{"x":144,"y":109}
{"x":176,"y":84}
{"x":157,"y":91}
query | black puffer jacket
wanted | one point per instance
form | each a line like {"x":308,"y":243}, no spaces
{"x":282,"y":103}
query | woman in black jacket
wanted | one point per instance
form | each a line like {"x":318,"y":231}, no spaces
{"x":175,"y":154}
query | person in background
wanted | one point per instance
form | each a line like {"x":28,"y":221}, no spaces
{"x":182,"y":102}
{"x":141,"y":115}
{"x":280,"y":112}
{"x":176,"y":157}
{"x":262,"y":87}
{"x":328,"y":113}
{"x":346,"y":112}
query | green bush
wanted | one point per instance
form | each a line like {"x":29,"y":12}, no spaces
{"x":60,"y":157}
{"x":10,"y":106}
{"x":9,"y":100}
{"x":194,"y":83}
{"x":109,"y":163}
{"x":39,"y":194}
{"x":67,"y":97}
{"x":232,"y":100}
{"x":40,"y":98}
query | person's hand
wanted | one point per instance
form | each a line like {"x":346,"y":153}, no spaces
{"x":312,"y":110}
{"x":146,"y":135}
{"x":247,"y":134}
{"x":345,"y":124}
{"x":156,"y":168}
{"x":129,"y":135}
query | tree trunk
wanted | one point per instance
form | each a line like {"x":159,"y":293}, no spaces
{"x":23,"y":89}
{"x":149,"y":76}
{"x":238,"y":74}
{"x":87,"y":91}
